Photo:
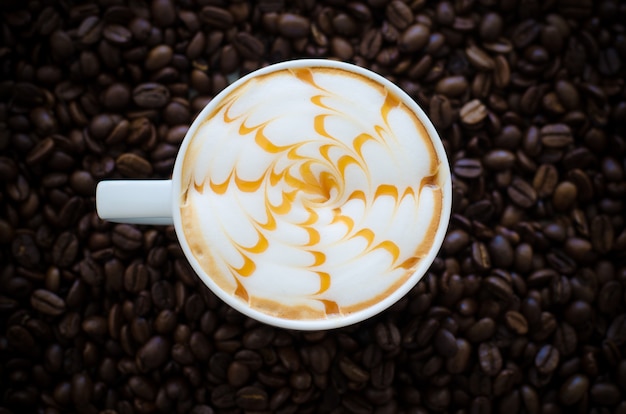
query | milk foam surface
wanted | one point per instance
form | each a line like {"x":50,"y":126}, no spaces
{"x":310,"y":193}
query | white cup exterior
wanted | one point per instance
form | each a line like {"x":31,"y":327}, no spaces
{"x":313,"y":324}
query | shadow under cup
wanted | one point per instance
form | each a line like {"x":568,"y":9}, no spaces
{"x":311,"y":194}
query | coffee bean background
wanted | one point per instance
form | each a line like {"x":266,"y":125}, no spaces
{"x":522,"y":311}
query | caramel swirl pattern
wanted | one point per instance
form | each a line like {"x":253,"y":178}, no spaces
{"x":310,"y":193}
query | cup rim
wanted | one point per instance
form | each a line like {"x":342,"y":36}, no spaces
{"x":331,"y":322}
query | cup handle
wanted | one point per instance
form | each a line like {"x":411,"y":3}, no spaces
{"x":135,"y":201}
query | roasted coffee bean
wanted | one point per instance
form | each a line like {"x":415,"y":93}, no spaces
{"x":609,"y":297}
{"x":399,"y":14}
{"x":356,"y":404}
{"x":445,"y":343}
{"x":522,"y":193}
{"x":480,"y":211}
{"x":490,"y":358}
{"x":370,"y":44}
{"x":162,"y":294}
{"x":414,"y":38}
{"x":387,"y":336}
{"x":248,"y":46}
{"x":479,"y":58}
{"x":151,"y":95}
{"x":480,"y":256}
{"x":251,"y":398}
{"x":25,"y":250}
{"x":491,"y":27}
{"x":383,"y":375}
{"x":19,"y":190}
{"x":444,"y":13}
{"x":82,"y":183}
{"x":516,"y":322}
{"x":47,"y":302}
{"x":216,"y":17}
{"x":547,"y":359}
{"x":293,"y":26}
{"x":609,"y":62}
{"x":452,"y":86}
{"x":258,"y":337}
{"x":556,"y":136}
{"x":82,"y":389}
{"x":481,"y":331}
{"x":8,"y":169}
{"x":90,"y":271}
{"x":344,"y":50}
{"x":498,"y":159}
{"x":564,"y":195}
{"x":602,"y":234}
{"x":126,"y":237}
{"x":65,"y":249}
{"x":117,"y":34}
{"x":501,"y":252}
{"x":499,"y":287}
{"x":616,"y":331}
{"x":141,"y":387}
{"x":157,"y":58}
{"x":459,"y":362}
{"x":545,"y":180}
{"x":605,"y":393}
{"x":504,"y":382}
{"x":238,"y":374}
{"x":136,"y":277}
{"x":164,"y":12}
{"x":455,"y":241}
{"x":441,"y":111}
{"x":468,"y":168}
{"x":153,"y":353}
{"x":95,"y":326}
{"x":473,"y":112}
{"x":573,"y":389}
{"x":42,"y":150}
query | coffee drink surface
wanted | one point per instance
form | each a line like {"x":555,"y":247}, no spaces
{"x":310,"y":193}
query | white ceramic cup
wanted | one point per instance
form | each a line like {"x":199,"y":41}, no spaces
{"x":156,"y":202}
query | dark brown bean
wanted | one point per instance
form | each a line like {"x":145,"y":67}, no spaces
{"x":452,"y":86}
{"x":473,"y":112}
{"x":547,"y":359}
{"x":151,"y":95}
{"x":133,"y":166}
{"x":216,"y":17}
{"x":522,"y":193}
{"x":556,"y":136}
{"x":157,"y":58}
{"x":65,"y":249}
{"x":564,"y":195}
{"x":248,"y":46}
{"x":164,"y":12}
{"x":545,"y":180}
{"x":293,"y":26}
{"x":481,"y":331}
{"x":370,"y":44}
{"x":573,"y":389}
{"x":399,"y":14}
{"x":491,"y":27}
{"x":490,"y":358}
{"x":468,"y":168}
{"x":153,"y":353}
{"x":414,"y":38}
{"x":479,"y":58}
{"x":516,"y":322}
{"x":47,"y":302}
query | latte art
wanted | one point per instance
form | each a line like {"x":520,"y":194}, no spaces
{"x":310,"y":193}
